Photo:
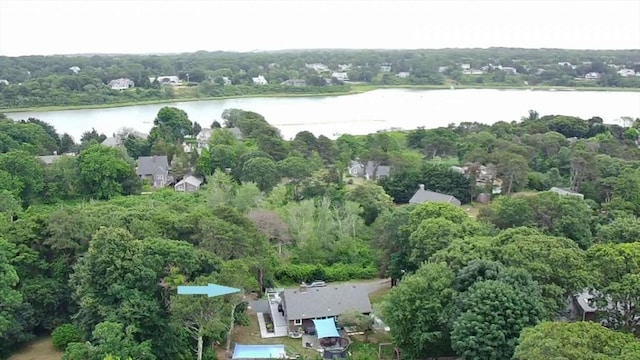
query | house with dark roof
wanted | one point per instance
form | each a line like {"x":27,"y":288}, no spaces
{"x":583,"y":307}
{"x":155,"y":169}
{"x":423,"y":195}
{"x":304,"y":304}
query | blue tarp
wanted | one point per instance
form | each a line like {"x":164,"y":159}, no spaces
{"x":259,"y":352}
{"x":326,"y":328}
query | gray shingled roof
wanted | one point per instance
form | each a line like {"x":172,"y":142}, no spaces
{"x":422,"y":196}
{"x":383,"y":170}
{"x":153,"y":165}
{"x":330,"y":300}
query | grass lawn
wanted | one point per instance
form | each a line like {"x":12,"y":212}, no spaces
{"x":41,"y":349}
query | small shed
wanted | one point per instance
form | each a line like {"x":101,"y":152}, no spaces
{"x":258,"y":352}
{"x":188,"y":184}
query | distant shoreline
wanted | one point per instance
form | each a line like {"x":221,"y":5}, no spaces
{"x":355,"y":89}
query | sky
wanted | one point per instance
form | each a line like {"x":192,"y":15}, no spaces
{"x":45,"y":27}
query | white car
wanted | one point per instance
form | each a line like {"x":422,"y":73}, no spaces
{"x":317,"y":284}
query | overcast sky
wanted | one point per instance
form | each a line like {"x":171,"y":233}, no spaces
{"x":29,"y":27}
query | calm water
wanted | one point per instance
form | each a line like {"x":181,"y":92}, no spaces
{"x":362,"y":113}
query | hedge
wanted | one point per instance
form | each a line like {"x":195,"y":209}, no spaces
{"x":296,"y":273}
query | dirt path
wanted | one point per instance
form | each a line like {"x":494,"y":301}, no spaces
{"x":41,"y":349}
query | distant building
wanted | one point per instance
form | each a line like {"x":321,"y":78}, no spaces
{"x":340,"y":76}
{"x":318,"y":67}
{"x":592,"y":76}
{"x":465,"y":66}
{"x":509,"y":70}
{"x":259,"y":80}
{"x":385,"y":68}
{"x":75,"y":69}
{"x":167,"y":80}
{"x":345,"y":67}
{"x":566,"y":192}
{"x":4,"y":82}
{"x":403,"y":74}
{"x":226,"y":81}
{"x":423,"y":195}
{"x":155,"y":169}
{"x":117,"y":140}
{"x":626,"y":72}
{"x":121,"y":84}
{"x":371,"y":171}
{"x":295,"y":82}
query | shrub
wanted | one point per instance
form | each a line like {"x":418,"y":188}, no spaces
{"x":296,"y":273}
{"x":65,"y":334}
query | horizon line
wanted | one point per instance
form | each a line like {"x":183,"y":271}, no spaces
{"x":291,"y":50}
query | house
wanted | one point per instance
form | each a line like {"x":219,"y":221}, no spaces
{"x":566,"y":192}
{"x":168,"y":80}
{"x":302,"y":305}
{"x":226,"y":81}
{"x":442,"y":69}
{"x":403,"y":74}
{"x":188,"y":184}
{"x":258,"y":352}
{"x":75,"y":69}
{"x":626,"y":72}
{"x":259,"y":80}
{"x":121,"y":84}
{"x":4,"y":82}
{"x":472,"y":72}
{"x":202,"y":139}
{"x":583,"y":307}
{"x":154,"y":168}
{"x":484,"y":176}
{"x":385,"y":68}
{"x":423,"y":195}
{"x":370,"y":171}
{"x":509,"y":70}
{"x":465,"y":66}
{"x":592,"y":76}
{"x":345,"y":67}
{"x":319,"y":67}
{"x":340,"y":76}
{"x":50,"y":159}
{"x":294,"y":82}
{"x":117,"y":140}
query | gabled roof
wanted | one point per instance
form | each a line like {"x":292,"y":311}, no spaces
{"x":331,"y":300}
{"x":190,"y":180}
{"x":423,"y":195}
{"x":382,"y":170}
{"x":152,"y":165}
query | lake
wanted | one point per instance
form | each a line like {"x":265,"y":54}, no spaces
{"x":362,"y":113}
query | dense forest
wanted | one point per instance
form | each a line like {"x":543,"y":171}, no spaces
{"x":92,"y":254}
{"x":37,"y":81}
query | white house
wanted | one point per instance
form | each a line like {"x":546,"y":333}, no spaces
{"x":340,"y":76}
{"x":121,"y":84}
{"x":295,"y":82}
{"x":626,"y":72}
{"x":226,"y":81}
{"x":3,"y":81}
{"x":509,"y":70}
{"x":168,"y":80}
{"x":259,"y":80}
{"x":592,"y":76}
{"x":317,"y":67}
{"x":403,"y":74}
{"x":188,"y":184}
{"x":465,"y":66}
{"x":75,"y":69}
{"x":385,"y":68}
{"x":345,"y":67}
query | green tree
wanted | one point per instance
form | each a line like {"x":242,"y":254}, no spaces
{"x":110,"y":338}
{"x":372,"y":198}
{"x":262,"y":171}
{"x":26,"y":175}
{"x":171,"y":124}
{"x":418,"y":311}
{"x":492,"y":315}
{"x":10,"y":298}
{"x":104,"y":173}
{"x":588,"y":341}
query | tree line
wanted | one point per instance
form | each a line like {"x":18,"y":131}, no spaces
{"x":36,"y":81}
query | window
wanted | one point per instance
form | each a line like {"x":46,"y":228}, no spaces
{"x":297,"y":322}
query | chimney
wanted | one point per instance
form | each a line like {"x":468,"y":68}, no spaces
{"x":303,"y":288}
{"x":421,"y":186}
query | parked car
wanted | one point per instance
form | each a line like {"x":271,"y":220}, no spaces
{"x":317,"y":284}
